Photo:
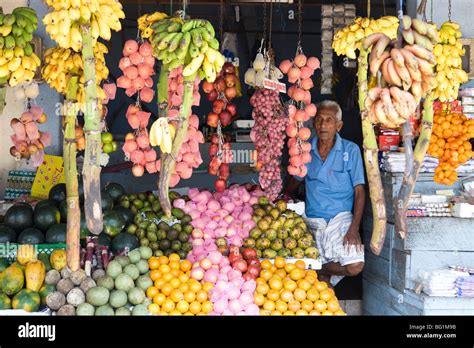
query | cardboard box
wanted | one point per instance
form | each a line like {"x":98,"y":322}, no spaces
{"x":389,"y":142}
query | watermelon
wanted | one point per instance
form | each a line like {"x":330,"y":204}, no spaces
{"x":84,"y":230}
{"x":63,"y":210}
{"x":42,"y":203}
{"x":27,"y":300}
{"x":116,"y":191}
{"x":107,"y":201}
{"x":124,"y":241}
{"x":7,"y":234}
{"x":58,"y":193}
{"x":126,"y":214}
{"x":113,"y":223}
{"x":30,"y":235}
{"x":46,"y":216}
{"x":19,"y":217}
{"x":56,"y":234}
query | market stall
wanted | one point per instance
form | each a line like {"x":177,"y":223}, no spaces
{"x":184,"y":212}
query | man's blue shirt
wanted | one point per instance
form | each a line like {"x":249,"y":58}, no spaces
{"x":330,"y":183}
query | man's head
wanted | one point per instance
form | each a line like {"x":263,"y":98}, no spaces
{"x":328,"y":120}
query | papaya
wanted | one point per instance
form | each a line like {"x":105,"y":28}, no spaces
{"x":58,"y":259}
{"x":26,"y":253}
{"x":43,"y":257}
{"x":12,"y":280}
{"x":5,"y":302}
{"x":45,"y":290}
{"x":27,"y":300}
{"x":34,"y":274}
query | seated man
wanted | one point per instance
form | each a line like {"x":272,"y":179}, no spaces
{"x":334,"y":187}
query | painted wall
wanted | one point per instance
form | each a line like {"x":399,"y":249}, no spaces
{"x":48,"y":99}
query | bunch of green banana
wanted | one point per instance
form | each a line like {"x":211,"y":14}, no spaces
{"x":417,"y":32}
{"x":18,"y":63}
{"x":188,"y":43}
{"x":63,"y":24}
{"x":145,"y":22}
{"x":347,"y":40}
{"x":448,"y":53}
{"x":63,"y":63}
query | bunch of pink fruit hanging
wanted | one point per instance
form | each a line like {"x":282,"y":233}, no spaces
{"x":137,"y":66}
{"x":299,"y":72}
{"x":189,"y":156}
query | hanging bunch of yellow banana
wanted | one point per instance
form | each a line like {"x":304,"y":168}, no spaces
{"x":349,"y":39}
{"x":61,"y":64}
{"x":62,"y":24}
{"x":145,"y":22}
{"x":18,"y":63}
{"x":448,"y":53}
{"x":189,"y":43}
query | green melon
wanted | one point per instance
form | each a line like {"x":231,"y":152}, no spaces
{"x":46,"y":216}
{"x":27,"y":300}
{"x":56,"y":234}
{"x":114,"y":223}
{"x":124,"y":241}
{"x":19,"y":217}
{"x":30,"y":235}
{"x":107,"y":201}
{"x":116,"y":191}
{"x":58,"y":193}
{"x":126,"y":213}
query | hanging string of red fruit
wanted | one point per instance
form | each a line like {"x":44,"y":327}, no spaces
{"x":189,"y":156}
{"x":268,"y":134}
{"x":299,"y":72}
{"x":221,"y":93}
{"x":137,"y":144}
{"x":137,"y":66}
{"x":28,"y":140}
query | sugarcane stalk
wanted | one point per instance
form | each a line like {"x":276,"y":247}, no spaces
{"x":163,"y":91}
{"x":409,"y":179}
{"x":91,"y":169}
{"x":70,"y":170}
{"x":3,"y":96}
{"x":168,"y":161}
{"x":371,"y":161}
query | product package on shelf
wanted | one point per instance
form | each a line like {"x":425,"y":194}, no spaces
{"x":19,"y":183}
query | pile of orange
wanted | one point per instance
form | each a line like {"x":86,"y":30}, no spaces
{"x":174,"y":292}
{"x":450,"y":144}
{"x":290,"y":289}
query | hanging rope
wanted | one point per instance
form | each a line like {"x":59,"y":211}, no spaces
{"x":384,"y":8}
{"x":368,"y":8}
{"x":432,"y":11}
{"x":449,"y":10}
{"x":421,"y":10}
{"x":264,"y":20}
{"x":221,"y":21}
{"x":299,"y":23}
{"x":270,"y":24}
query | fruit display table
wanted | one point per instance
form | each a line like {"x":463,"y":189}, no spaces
{"x":390,"y":279}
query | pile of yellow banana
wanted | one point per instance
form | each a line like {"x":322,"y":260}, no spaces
{"x":18,"y":63}
{"x":63,"y":63}
{"x":408,"y":73}
{"x":145,"y":22}
{"x":410,"y":67}
{"x":63,"y":24}
{"x":162,"y":134}
{"x":449,"y":72}
{"x":189,"y":43}
{"x":389,"y":107}
{"x":416,"y":31}
{"x":347,"y":40}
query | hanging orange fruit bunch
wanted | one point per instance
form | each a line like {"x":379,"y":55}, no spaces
{"x":450,"y":143}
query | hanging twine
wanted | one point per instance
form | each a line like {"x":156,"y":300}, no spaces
{"x":221,"y":21}
{"x":270,"y":26}
{"x":368,"y":8}
{"x":421,"y":10}
{"x":299,"y":23}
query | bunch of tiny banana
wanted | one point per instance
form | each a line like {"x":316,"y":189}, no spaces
{"x":63,"y":24}
{"x":416,"y":31}
{"x":145,"y":22}
{"x":63,"y":63}
{"x":347,"y":40}
{"x":448,"y":53}
{"x":162,"y":134}
{"x":18,"y":63}
{"x":189,"y":43}
{"x":410,"y":67}
{"x":389,"y":107}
